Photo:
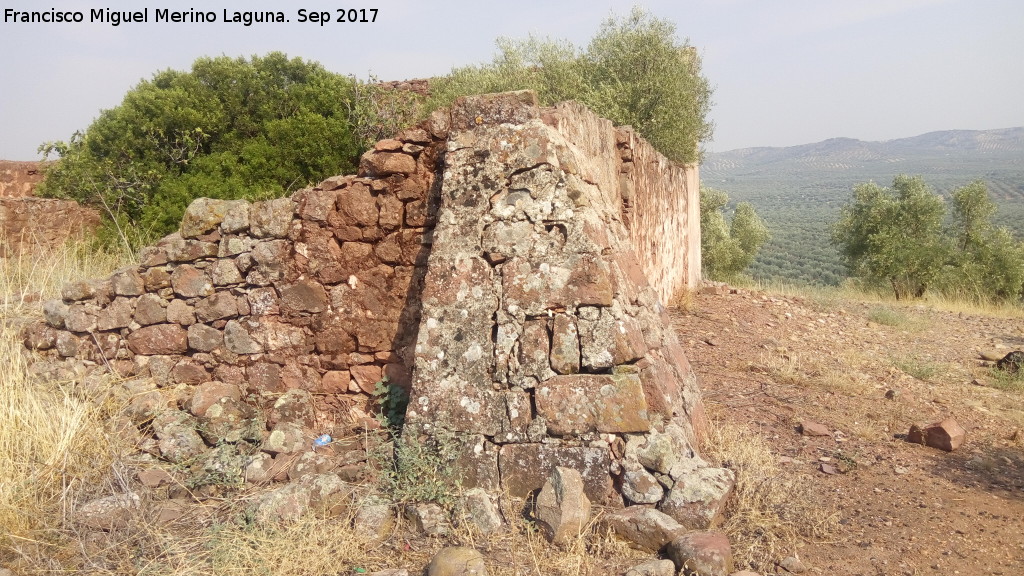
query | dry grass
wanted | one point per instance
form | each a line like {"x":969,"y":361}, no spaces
{"x":231,"y":546}
{"x":770,"y":513}
{"x":826,"y":298}
{"x":685,"y":301}
{"x":51,"y":443}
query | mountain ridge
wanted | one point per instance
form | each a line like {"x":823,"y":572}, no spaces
{"x":843,"y":153}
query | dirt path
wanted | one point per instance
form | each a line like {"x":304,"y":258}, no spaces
{"x":768,"y":362}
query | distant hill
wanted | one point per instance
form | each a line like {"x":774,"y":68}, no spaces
{"x":799,"y":189}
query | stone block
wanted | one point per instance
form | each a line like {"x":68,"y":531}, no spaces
{"x":582,"y":403}
{"x":128,"y":283}
{"x":180,"y":312}
{"x":158,"y":339}
{"x":190,"y":282}
{"x":524,"y":468}
{"x":203,"y":215}
{"x":704,"y":553}
{"x":699,"y":494}
{"x":379,"y":164}
{"x":303,"y":296}
{"x":118,"y":314}
{"x":271,"y":218}
{"x":562,"y":508}
{"x":565,"y":345}
{"x":150,"y":309}
{"x":203,"y":338}
{"x":946,"y":435}
{"x":220,"y":305}
{"x":644,"y":527}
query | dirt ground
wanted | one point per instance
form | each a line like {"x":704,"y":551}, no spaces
{"x":868,"y":372}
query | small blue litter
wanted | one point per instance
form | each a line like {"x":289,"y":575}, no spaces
{"x":322,"y":440}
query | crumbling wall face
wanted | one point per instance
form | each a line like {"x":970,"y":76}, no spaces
{"x":313,"y":299}
{"x":662,"y":205}
{"x":541,"y":343}
{"x":19,"y":179}
{"x":39,"y":224}
{"x":659,"y":199}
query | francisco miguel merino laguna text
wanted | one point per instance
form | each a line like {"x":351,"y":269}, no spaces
{"x":118,"y":17}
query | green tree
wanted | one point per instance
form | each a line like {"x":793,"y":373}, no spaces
{"x":988,"y":261}
{"x":634,"y":72}
{"x":894,"y":235}
{"x":228,"y":128}
{"x":728,"y":248}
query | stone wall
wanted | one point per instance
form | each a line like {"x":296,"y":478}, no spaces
{"x":285,"y":314}
{"x":483,"y":262}
{"x":38,"y":224}
{"x":659,"y":199}
{"x":18,"y":179}
{"x":542,"y":343}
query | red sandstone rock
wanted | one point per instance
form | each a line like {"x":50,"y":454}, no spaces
{"x":303,"y":296}
{"x":188,"y":371}
{"x":158,"y":339}
{"x":381,"y":164}
{"x":809,"y":428}
{"x":335,"y":382}
{"x":704,"y":553}
{"x":562,"y":508}
{"x":525,"y":467}
{"x":366,"y":377}
{"x":583,"y":403}
{"x":645,"y":527}
{"x":209,"y":393}
{"x":190,"y":282}
{"x":128,"y":283}
{"x":219,"y":305}
{"x":272,"y":218}
{"x":388,"y":145}
{"x":946,"y":435}
{"x":357,"y":207}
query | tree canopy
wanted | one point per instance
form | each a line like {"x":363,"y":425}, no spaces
{"x":727,"y":249}
{"x":634,"y":72}
{"x":228,"y":128}
{"x":903,"y":237}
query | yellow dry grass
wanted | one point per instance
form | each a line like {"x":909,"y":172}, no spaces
{"x":769,"y":514}
{"x":51,"y":442}
{"x":833,"y":297}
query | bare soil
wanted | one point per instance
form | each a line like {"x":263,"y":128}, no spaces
{"x":868,"y":372}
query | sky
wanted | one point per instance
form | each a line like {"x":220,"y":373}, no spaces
{"x":785,"y":72}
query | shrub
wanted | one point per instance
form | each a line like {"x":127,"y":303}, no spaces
{"x":228,"y":128}
{"x":634,"y":72}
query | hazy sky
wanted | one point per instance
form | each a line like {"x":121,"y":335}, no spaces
{"x":785,"y":72}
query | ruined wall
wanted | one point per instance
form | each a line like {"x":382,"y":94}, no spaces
{"x":483,"y":261}
{"x":39,"y":224}
{"x":660,"y":200}
{"x":18,"y":179}
{"x":30,"y":224}
{"x":269,"y":322}
{"x":541,"y":341}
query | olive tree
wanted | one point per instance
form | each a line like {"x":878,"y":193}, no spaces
{"x":894,"y":235}
{"x":728,"y":248}
{"x":634,"y":71}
